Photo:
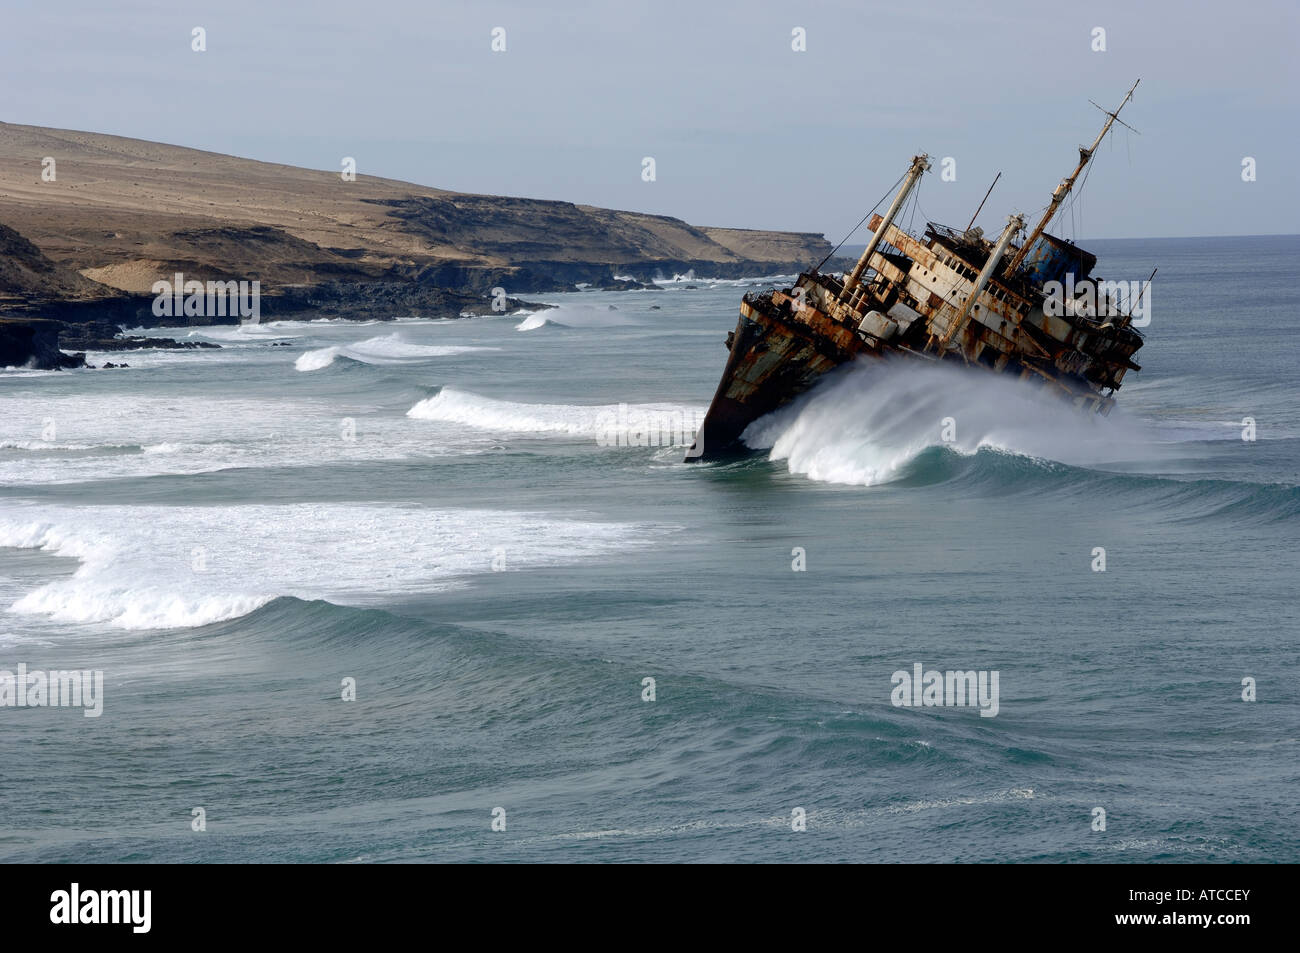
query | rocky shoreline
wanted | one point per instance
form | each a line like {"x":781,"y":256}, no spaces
{"x":52,"y":334}
{"x":82,"y":254}
{"x":35,"y":332}
{"x":34,"y":343}
{"x":38,"y":332}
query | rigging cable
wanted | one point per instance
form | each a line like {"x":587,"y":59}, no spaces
{"x":859,"y":225}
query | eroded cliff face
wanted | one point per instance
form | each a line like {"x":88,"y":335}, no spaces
{"x":121,"y":214}
{"x":34,"y":343}
{"x":26,"y":270}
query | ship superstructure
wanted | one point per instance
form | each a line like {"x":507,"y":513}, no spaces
{"x":948,"y":295}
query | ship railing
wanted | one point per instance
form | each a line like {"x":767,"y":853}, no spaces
{"x":934,"y":229}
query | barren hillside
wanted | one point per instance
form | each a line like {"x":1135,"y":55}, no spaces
{"x":126,"y":212}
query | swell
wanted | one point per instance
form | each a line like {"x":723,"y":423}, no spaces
{"x":522,"y":684}
{"x":995,"y":472}
{"x":909,"y":426}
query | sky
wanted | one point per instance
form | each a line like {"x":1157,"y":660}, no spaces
{"x":744,"y":130}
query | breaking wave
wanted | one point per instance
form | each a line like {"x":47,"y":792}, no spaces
{"x":236,"y":334}
{"x":994,"y":472}
{"x":575,"y":316}
{"x":159,"y":567}
{"x":674,"y":424}
{"x":755,"y":281}
{"x":868,"y":423}
{"x":386,"y":349}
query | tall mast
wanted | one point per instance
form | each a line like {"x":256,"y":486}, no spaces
{"x":1062,"y":190}
{"x":920,"y":164}
{"x":1014,"y":224}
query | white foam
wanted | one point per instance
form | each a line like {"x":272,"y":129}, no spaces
{"x":575,"y":316}
{"x":386,"y":349}
{"x":689,"y":279}
{"x":9,"y":372}
{"x":864,"y":424}
{"x":135,"y":435}
{"x":618,"y":423}
{"x":532,"y":322}
{"x":232,"y":334}
{"x":46,"y":445}
{"x":147,"y":567}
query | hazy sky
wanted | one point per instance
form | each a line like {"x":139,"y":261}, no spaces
{"x":744,"y":130}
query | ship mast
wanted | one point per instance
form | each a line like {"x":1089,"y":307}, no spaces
{"x":1014,"y":224}
{"x":1062,"y":190}
{"x":920,"y":164}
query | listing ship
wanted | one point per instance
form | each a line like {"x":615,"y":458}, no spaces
{"x":950,"y":295}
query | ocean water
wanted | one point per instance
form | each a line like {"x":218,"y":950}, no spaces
{"x":448,"y":513}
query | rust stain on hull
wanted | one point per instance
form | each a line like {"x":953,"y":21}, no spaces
{"x":778,"y":351}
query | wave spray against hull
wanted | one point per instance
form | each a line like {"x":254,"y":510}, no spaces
{"x":866,"y":423}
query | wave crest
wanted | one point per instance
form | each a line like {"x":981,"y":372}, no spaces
{"x":575,"y":316}
{"x":869,"y":422}
{"x":160,"y":567}
{"x":655,"y":424}
{"x":385,"y":349}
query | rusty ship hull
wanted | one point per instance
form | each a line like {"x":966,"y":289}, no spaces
{"x":775,"y":354}
{"x":947,"y":295}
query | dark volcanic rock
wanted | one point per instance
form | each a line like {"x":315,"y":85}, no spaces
{"x":351,"y":299}
{"x":104,"y":336}
{"x":329,"y":299}
{"x":34,"y":343}
{"x":622,"y":284}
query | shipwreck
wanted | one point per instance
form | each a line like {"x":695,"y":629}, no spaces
{"x":948,"y":295}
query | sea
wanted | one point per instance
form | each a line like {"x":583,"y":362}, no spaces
{"x":396,"y":589}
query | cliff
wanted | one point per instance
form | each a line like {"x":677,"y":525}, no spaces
{"x":123,"y":213}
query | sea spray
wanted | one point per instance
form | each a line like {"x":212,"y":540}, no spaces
{"x":864,"y":423}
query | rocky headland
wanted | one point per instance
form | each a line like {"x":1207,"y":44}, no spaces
{"x":84,"y":238}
